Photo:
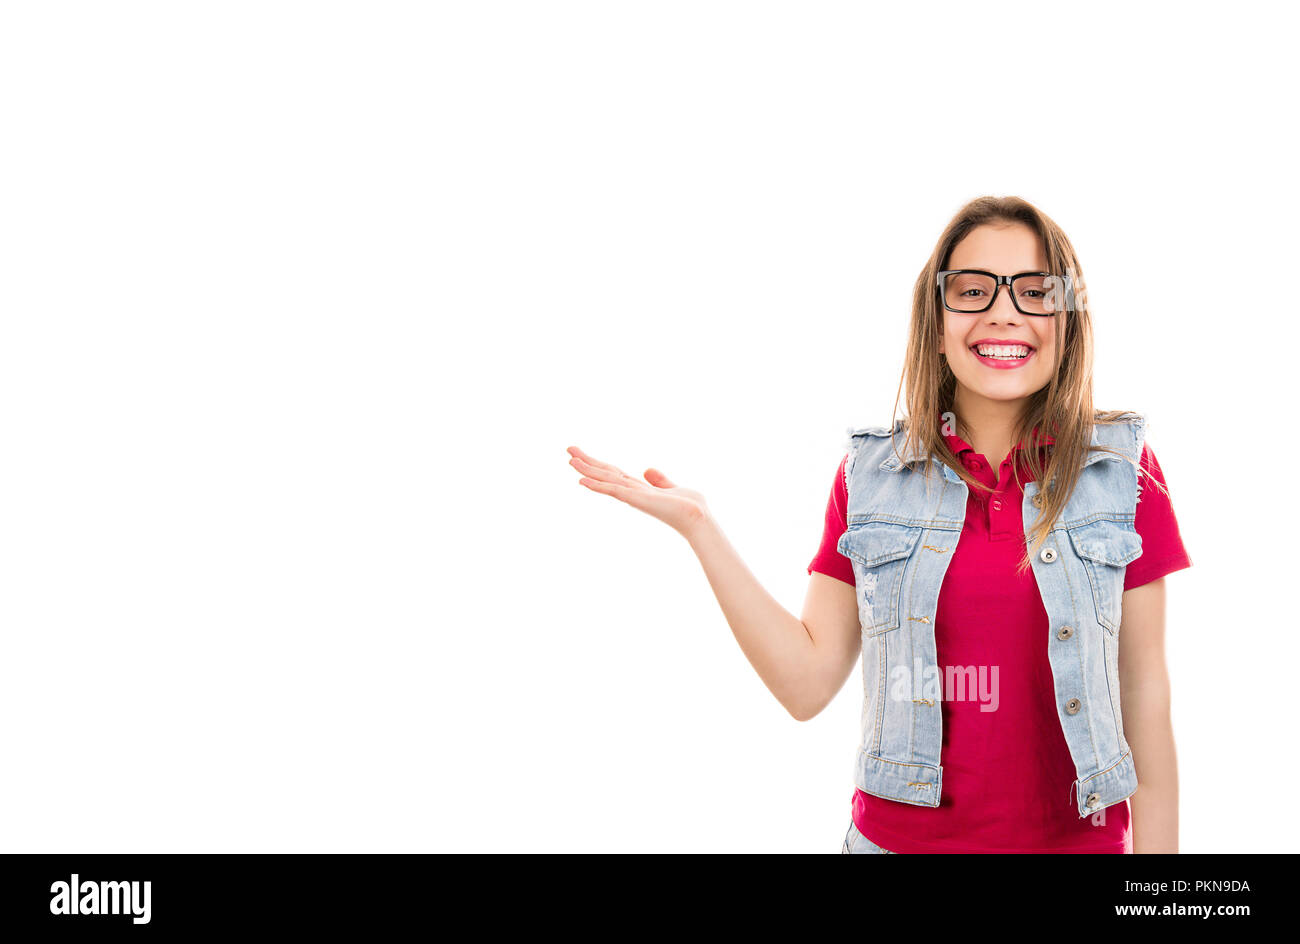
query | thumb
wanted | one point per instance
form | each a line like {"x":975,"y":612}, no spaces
{"x":658,"y":479}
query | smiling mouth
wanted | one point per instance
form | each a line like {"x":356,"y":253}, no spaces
{"x":1014,"y":352}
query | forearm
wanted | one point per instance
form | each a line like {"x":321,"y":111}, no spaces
{"x":774,"y":640}
{"x":1150,"y":734}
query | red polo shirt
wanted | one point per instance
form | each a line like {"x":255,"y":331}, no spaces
{"x":1007,"y":773}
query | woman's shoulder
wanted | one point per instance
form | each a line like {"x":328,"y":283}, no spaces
{"x":1114,"y":417}
{"x":857,"y":438}
{"x":1122,"y":430}
{"x":880,"y":431}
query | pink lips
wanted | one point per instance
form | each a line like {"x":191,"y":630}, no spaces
{"x":1005,"y":363}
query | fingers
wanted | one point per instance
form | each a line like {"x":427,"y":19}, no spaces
{"x":610,"y":473}
{"x":606,"y":488}
{"x":636,"y":494}
{"x":575,"y":451}
{"x":604,"y":473}
{"x":658,"y":479}
{"x":607,"y":479}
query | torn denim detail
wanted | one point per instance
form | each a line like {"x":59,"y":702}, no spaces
{"x":867,"y":591}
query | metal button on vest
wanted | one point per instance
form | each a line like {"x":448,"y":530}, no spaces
{"x":1072,"y":706}
{"x":1065,"y":632}
{"x":1092,"y":800}
{"x":1047,"y":555}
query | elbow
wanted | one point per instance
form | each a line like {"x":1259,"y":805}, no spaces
{"x":804,"y":711}
{"x":807,"y":693}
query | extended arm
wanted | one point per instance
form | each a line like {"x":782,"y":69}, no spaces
{"x":804,"y":661}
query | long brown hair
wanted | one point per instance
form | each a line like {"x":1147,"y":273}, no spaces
{"x":1063,"y":409}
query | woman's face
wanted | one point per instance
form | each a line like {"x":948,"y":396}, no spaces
{"x":1005,"y":249}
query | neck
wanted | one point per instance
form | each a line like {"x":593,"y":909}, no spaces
{"x":989,"y":424}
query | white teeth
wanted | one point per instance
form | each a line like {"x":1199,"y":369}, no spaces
{"x":1010,"y":351}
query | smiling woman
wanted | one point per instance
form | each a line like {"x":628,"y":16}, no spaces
{"x":1006,"y":378}
{"x":956,"y":541}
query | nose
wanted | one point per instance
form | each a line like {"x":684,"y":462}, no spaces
{"x":1003,"y":310}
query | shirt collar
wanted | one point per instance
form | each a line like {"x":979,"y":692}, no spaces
{"x":959,"y":445}
{"x":907,"y":452}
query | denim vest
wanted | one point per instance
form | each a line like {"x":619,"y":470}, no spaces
{"x":902,"y":531}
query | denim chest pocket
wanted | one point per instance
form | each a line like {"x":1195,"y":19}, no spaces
{"x":880,"y":553}
{"x":1106,"y":549}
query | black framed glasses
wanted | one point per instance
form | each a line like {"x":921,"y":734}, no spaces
{"x":971,"y":291}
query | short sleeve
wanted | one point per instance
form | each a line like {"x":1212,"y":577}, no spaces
{"x":829,"y":560}
{"x":1162,"y":544}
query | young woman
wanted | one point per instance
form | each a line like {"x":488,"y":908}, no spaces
{"x":1011,"y":633}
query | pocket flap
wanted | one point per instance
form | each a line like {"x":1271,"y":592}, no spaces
{"x":1107,"y":542}
{"x":876,"y":543}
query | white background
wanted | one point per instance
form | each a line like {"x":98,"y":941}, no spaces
{"x":302,"y":303}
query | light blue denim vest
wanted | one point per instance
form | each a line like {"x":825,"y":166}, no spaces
{"x":902,"y":532}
